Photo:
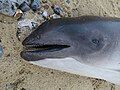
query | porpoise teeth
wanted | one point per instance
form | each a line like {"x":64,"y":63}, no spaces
{"x":37,"y":45}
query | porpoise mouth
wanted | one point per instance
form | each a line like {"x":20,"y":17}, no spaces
{"x":34,"y":52}
{"x":45,"y":47}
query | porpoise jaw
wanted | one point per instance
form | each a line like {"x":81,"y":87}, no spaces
{"x":87,"y":45}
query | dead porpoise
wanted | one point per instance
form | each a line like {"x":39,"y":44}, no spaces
{"x":87,"y":45}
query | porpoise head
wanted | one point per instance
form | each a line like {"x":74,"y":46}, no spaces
{"x":92,"y":43}
{"x":82,"y":38}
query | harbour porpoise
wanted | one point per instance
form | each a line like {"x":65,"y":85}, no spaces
{"x":86,"y":45}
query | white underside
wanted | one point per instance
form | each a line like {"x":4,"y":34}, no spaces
{"x":72,"y":66}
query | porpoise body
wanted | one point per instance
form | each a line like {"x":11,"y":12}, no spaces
{"x":87,"y":45}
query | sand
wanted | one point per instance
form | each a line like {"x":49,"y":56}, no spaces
{"x":17,"y":74}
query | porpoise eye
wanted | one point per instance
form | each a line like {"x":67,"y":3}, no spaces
{"x":95,"y":41}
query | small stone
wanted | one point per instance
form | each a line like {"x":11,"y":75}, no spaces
{"x":18,"y":14}
{"x":44,"y":1}
{"x":54,"y":16}
{"x":68,"y":1}
{"x":23,"y":89}
{"x":36,"y":5}
{"x":26,"y":22}
{"x":18,"y":2}
{"x":45,"y":14}
{"x":25,"y":27}
{"x":1,"y":51}
{"x":25,"y":6}
{"x":22,"y":33}
{"x":11,"y":86}
{"x":46,"y":6}
{"x":34,"y":25}
{"x":7,"y":7}
{"x":57,"y":10}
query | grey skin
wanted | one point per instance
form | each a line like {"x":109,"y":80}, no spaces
{"x":88,"y":39}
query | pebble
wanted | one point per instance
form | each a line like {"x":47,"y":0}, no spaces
{"x":22,"y":33}
{"x":25,"y":27}
{"x":25,"y":6}
{"x":36,"y":5}
{"x":34,"y":25}
{"x":44,"y":1}
{"x":57,"y":10}
{"x":27,"y":22}
{"x":18,"y":14}
{"x":46,"y":6}
{"x":7,"y":7}
{"x":68,"y":1}
{"x":1,"y":51}
{"x":18,"y":2}
{"x":45,"y":14}
{"x":54,"y":16}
